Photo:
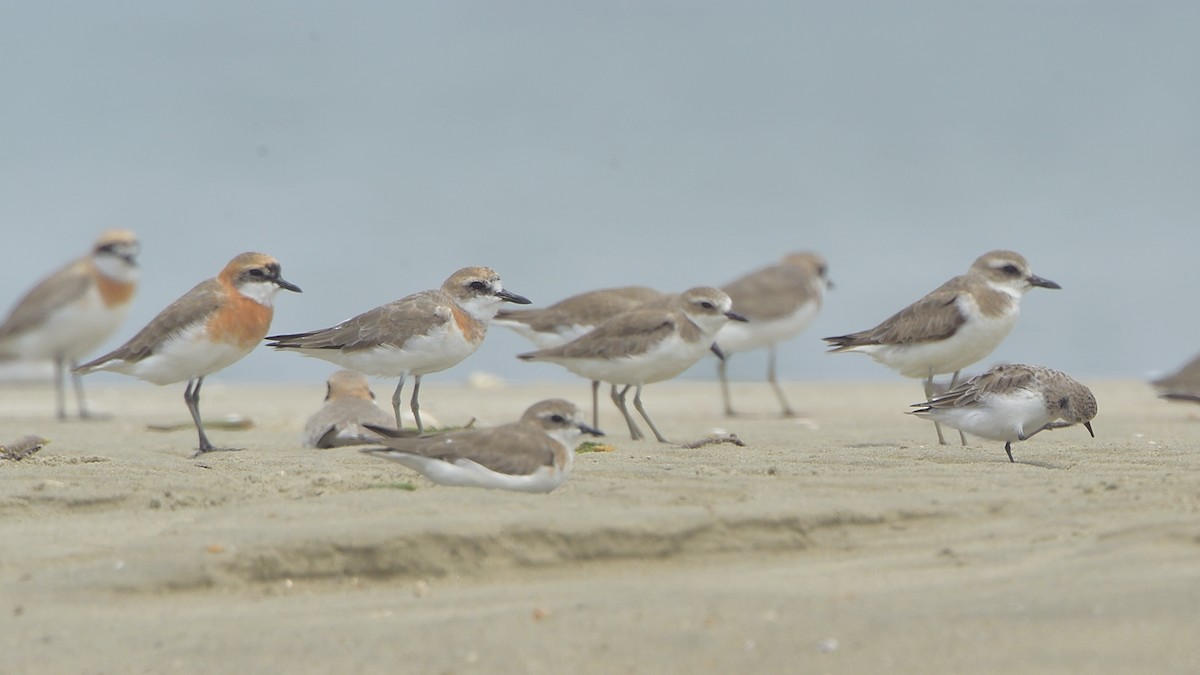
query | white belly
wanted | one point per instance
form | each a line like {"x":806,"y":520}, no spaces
{"x":73,"y":331}
{"x":466,"y":473}
{"x":1006,"y":418}
{"x":186,"y":357}
{"x":421,"y":355}
{"x":743,"y":336}
{"x":665,"y":360}
{"x":973,"y":341}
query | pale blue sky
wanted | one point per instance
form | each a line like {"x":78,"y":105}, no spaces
{"x":374,"y":148}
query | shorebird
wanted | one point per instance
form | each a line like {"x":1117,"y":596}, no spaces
{"x":568,"y":319}
{"x":1012,"y":402}
{"x":422,"y":333}
{"x":535,"y":454}
{"x":780,"y":301}
{"x":955,"y":325}
{"x":645,"y":345}
{"x":208,"y":329}
{"x":70,"y":313}
{"x":1181,"y":385}
{"x":349,"y":404}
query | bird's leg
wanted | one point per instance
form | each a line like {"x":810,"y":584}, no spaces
{"x":953,"y":384}
{"x":618,"y":399}
{"x":396,"y":399}
{"x":1008,"y":449}
{"x":787,"y":409}
{"x":637,"y":403}
{"x":416,"y":407}
{"x":596,"y":403}
{"x":721,"y":374}
{"x":929,"y":397}
{"x":191,"y":396}
{"x":60,"y":395}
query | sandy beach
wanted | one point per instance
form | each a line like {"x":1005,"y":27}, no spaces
{"x":847,"y":541}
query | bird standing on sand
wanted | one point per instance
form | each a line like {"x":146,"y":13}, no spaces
{"x":73,"y":311}
{"x":778,"y":301}
{"x":422,"y":333}
{"x":210,"y":328}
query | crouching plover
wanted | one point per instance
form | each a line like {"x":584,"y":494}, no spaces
{"x":535,"y":454}
{"x":211,"y":327}
{"x":73,"y":311}
{"x":645,"y":345}
{"x":957,"y":324}
{"x":1012,"y":402}
{"x":422,"y":333}
{"x":780,"y":301}
{"x":568,"y":319}
{"x":349,"y":404}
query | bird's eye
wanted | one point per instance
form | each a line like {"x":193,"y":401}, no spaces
{"x":1010,"y":269}
{"x":707,"y":305}
{"x":479,"y":285}
{"x":557,"y":419}
{"x":257,"y":273}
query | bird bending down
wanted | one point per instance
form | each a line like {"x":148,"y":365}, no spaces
{"x":1012,"y":402}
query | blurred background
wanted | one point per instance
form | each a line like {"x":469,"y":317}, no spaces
{"x":376,"y":147}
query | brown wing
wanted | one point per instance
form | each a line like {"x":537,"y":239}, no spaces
{"x":626,"y":334}
{"x":393,"y":324}
{"x":587,"y":309}
{"x":933,"y":317}
{"x":1184,"y":380}
{"x":52,"y":293}
{"x":514,"y":449}
{"x":192,"y":307}
{"x":1004,"y":377}
{"x":770,"y":293}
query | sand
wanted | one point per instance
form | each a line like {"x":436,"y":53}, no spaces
{"x":844,"y":542}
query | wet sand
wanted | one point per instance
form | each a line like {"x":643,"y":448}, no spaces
{"x":844,"y":542}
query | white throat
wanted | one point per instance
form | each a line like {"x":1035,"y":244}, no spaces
{"x":116,"y":268}
{"x":262,"y":292}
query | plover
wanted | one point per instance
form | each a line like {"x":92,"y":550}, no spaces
{"x":568,"y":319}
{"x":645,"y":345}
{"x":1181,"y":385}
{"x":535,"y":454}
{"x":1012,"y":402}
{"x":780,"y":301}
{"x":957,"y":324}
{"x":211,"y":327}
{"x":349,"y":404}
{"x":73,"y":311}
{"x":422,"y":333}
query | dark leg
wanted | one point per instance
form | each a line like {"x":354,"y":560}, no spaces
{"x":637,"y":403}
{"x":596,"y":403}
{"x":1008,"y":449}
{"x":191,"y":396}
{"x":725,"y":387}
{"x":787,"y":409}
{"x":396,"y":401}
{"x":416,"y":407}
{"x":929,"y":396}
{"x":618,"y":399}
